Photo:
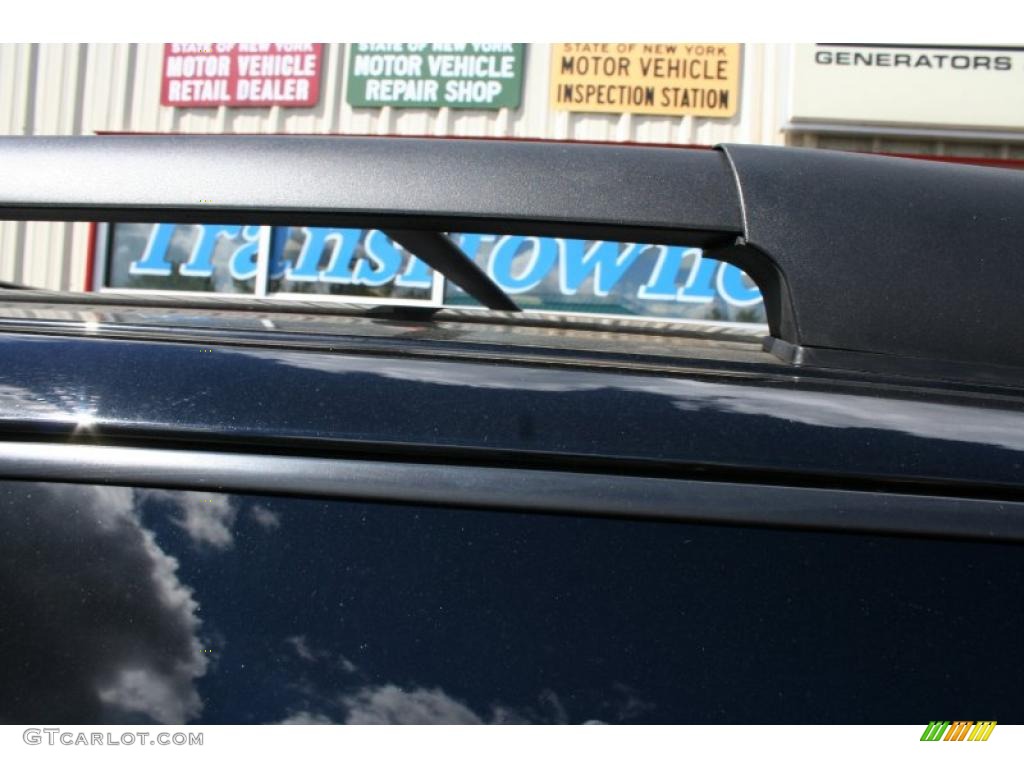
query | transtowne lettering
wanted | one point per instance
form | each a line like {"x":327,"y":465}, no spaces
{"x":517,"y":264}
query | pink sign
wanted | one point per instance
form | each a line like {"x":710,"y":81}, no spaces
{"x":241,"y":74}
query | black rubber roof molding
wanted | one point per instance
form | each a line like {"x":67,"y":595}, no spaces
{"x":864,"y":261}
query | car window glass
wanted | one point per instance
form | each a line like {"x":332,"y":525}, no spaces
{"x":136,"y":605}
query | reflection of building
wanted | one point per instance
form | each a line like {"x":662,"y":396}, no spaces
{"x":357,"y":265}
{"x":955,"y":104}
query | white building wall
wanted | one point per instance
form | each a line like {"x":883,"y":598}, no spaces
{"x":82,"y":89}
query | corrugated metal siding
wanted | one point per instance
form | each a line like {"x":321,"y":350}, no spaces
{"x":42,"y":91}
{"x":909,"y":146}
{"x":77,"y":89}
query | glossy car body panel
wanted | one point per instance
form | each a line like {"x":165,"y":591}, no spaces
{"x":503,"y":394}
{"x":355,"y":520}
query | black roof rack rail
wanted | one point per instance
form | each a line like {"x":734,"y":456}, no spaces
{"x":883,"y":263}
{"x":865,"y":262}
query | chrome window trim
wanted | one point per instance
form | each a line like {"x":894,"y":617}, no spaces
{"x":536,"y":490}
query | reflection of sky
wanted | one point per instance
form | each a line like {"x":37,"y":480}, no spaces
{"x":122,"y":606}
{"x":131,"y":633}
{"x":342,"y":396}
{"x":954,"y":422}
{"x":369,"y":398}
{"x":113,"y":637}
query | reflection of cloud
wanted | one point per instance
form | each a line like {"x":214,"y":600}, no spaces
{"x":454,"y":374}
{"x":307,"y":652}
{"x":306,"y":718}
{"x":159,"y":697}
{"x":391,"y":705}
{"x":206,"y":517}
{"x":265,"y":518}
{"x":298,"y":642}
{"x":549,"y":699}
{"x":103,"y":629}
{"x":941,"y":421}
{"x":913,"y":417}
{"x":632,"y":706}
{"x":55,"y":402}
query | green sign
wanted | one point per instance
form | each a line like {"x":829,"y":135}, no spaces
{"x":456,"y":75}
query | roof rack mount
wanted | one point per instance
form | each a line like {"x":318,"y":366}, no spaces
{"x":862,"y":260}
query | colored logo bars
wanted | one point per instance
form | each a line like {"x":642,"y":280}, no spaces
{"x":960,"y":730}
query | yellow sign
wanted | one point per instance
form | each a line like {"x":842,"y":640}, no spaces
{"x":701,"y":79}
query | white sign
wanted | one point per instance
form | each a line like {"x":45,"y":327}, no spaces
{"x":951,"y":87}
